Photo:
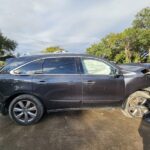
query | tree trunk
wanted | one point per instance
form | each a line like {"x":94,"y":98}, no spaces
{"x":128,"y":53}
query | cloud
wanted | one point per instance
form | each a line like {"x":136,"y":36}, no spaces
{"x":71,"y":24}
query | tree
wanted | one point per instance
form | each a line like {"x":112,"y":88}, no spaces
{"x":107,"y":47}
{"x":124,"y":47}
{"x":142,"y":19}
{"x":53,"y":49}
{"x":7,"y":46}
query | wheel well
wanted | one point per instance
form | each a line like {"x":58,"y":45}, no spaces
{"x":143,"y":92}
{"x":8,"y":101}
{"x":147,"y":90}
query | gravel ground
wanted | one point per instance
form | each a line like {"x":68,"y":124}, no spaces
{"x":94,"y":129}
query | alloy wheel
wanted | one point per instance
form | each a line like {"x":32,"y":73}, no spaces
{"x":137,"y":107}
{"x":25,"y":111}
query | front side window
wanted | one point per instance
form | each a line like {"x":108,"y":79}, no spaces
{"x":96,"y":67}
{"x":59,"y":66}
{"x":31,"y":68}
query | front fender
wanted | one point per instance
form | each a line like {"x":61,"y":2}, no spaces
{"x":136,"y":82}
{"x":147,"y":90}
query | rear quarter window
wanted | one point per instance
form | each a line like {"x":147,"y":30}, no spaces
{"x":10,"y":66}
{"x":34,"y":67}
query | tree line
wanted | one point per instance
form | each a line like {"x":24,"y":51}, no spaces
{"x":7,"y":46}
{"x":130,"y":45}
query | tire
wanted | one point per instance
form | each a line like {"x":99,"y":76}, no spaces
{"x":137,"y":105}
{"x":26,"y":110}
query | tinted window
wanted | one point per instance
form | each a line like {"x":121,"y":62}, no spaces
{"x":96,"y":67}
{"x":59,"y":66}
{"x":11,"y":66}
{"x":13,"y":63}
{"x":31,"y":68}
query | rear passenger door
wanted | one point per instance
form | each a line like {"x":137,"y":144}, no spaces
{"x":59,"y":84}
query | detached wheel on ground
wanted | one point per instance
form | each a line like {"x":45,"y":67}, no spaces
{"x":26,"y":110}
{"x":137,"y":105}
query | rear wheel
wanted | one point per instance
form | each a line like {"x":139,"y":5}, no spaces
{"x":137,"y":105}
{"x":26,"y":110}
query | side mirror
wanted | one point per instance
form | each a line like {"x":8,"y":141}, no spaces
{"x":117,"y":73}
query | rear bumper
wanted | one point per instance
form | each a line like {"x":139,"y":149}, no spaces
{"x":0,"y":107}
{"x":3,"y":109}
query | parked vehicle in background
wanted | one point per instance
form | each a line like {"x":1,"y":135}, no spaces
{"x":31,"y":85}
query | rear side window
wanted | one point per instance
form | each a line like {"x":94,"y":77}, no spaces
{"x":59,"y":66}
{"x":31,"y":68}
{"x":8,"y":67}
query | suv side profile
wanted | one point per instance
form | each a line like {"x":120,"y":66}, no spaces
{"x":31,"y":85}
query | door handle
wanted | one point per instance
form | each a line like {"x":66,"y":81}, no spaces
{"x":70,"y":83}
{"x":42,"y":81}
{"x":89,"y":82}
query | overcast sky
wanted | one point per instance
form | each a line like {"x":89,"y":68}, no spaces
{"x":72,"y":24}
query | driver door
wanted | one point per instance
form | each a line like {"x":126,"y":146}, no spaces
{"x":100,"y":85}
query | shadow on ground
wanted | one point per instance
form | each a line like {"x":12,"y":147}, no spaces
{"x":74,"y":130}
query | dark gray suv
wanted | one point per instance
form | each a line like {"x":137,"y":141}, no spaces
{"x":31,"y":85}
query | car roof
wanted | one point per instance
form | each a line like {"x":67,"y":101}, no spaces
{"x":34,"y":57}
{"x":55,"y":55}
{"x":41,"y":56}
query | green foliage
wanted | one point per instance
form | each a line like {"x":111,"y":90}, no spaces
{"x":53,"y":49}
{"x":148,"y":60}
{"x":125,"y":47}
{"x":7,"y":46}
{"x":120,"y":57}
{"x":1,"y":63}
{"x":142,"y":19}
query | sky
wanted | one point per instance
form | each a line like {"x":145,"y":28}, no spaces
{"x":71,"y":24}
